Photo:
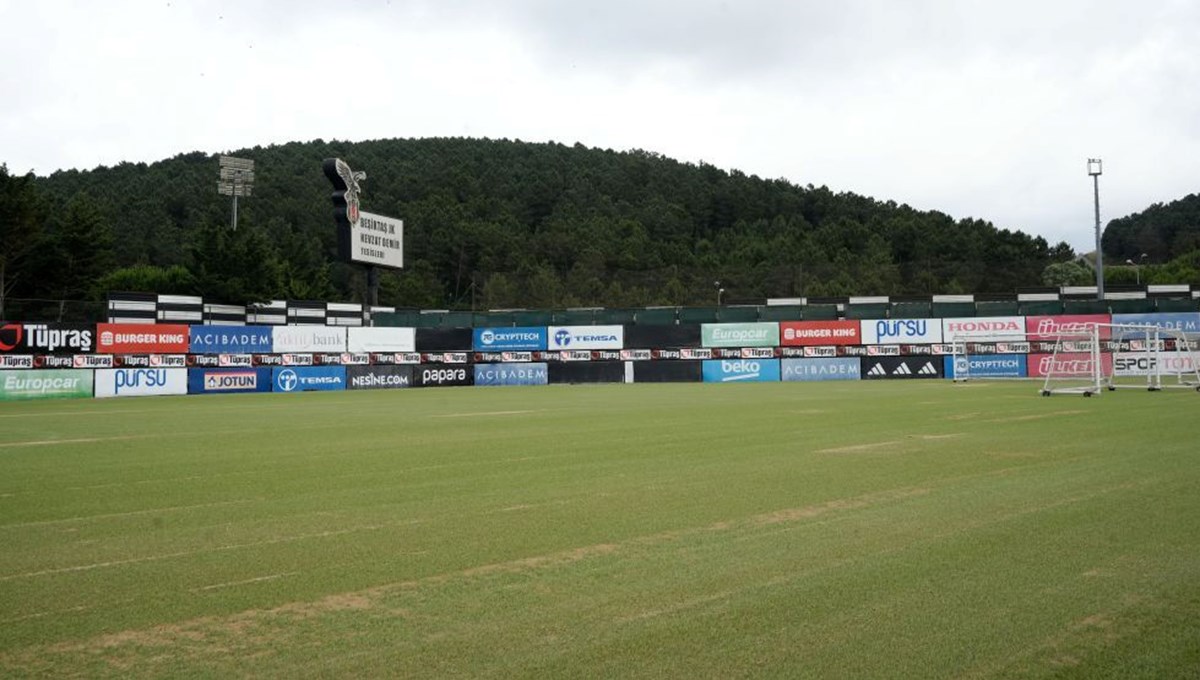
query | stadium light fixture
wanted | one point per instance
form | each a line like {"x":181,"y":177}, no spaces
{"x":1095,"y":169}
{"x":236,"y":178}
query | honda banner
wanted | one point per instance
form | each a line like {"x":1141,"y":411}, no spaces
{"x":230,"y":339}
{"x":135,"y":338}
{"x":308,"y":378}
{"x":876,"y":368}
{"x":820,"y":333}
{"x":987,"y":366}
{"x":47,"y":338}
{"x":511,"y":374}
{"x":502,"y":339}
{"x":585,"y":337}
{"x":901,"y":331}
{"x":810,"y":370}
{"x":378,"y":377}
{"x":306,"y":339}
{"x":741,"y":370}
{"x":227,"y":380}
{"x":141,"y":382}
{"x":45,"y":384}
{"x":1048,"y":328}
{"x":765,"y":334}
{"x":984,"y":329}
{"x":381,"y":339}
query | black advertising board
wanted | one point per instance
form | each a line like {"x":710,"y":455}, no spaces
{"x":442,"y":375}
{"x":378,"y":377}
{"x":587,"y":372}
{"x":882,"y":368}
{"x":667,"y":371}
{"x":662,"y":337}
{"x":47,"y":338}
{"x":443,"y":339}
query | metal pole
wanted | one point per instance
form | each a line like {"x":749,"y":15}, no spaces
{"x":235,"y":212}
{"x":1099,"y":253}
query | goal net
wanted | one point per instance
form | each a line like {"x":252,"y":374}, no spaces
{"x":994,"y":357}
{"x":1153,"y":358}
{"x":1076,"y":364}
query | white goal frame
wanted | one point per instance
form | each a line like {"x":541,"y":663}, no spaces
{"x":1083,"y":373}
{"x":1162,"y":369}
{"x":961,"y":354}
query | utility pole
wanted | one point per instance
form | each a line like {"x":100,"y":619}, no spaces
{"x":1095,"y":170}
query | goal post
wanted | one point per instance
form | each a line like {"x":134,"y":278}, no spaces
{"x":994,"y":357}
{"x":1076,"y":364}
{"x":1153,"y":358}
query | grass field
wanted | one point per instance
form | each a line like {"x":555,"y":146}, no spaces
{"x":876,"y":529}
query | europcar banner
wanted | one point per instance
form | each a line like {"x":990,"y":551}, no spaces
{"x":381,"y":339}
{"x":1184,"y":322}
{"x":585,"y":337}
{"x":140,"y":382}
{"x":69,"y":383}
{"x":226,"y":380}
{"x":987,"y":366}
{"x":819,"y":333}
{"x":138,"y":338}
{"x":983,"y":329}
{"x":1047,"y":328}
{"x":308,"y":378}
{"x":764,"y":334}
{"x":879,"y":368}
{"x":741,"y":370}
{"x":47,"y":338}
{"x":811,"y":370}
{"x":230,"y":339}
{"x":511,"y":374}
{"x":901,"y":331}
{"x":519,"y":338}
{"x":390,"y":376}
{"x":305,"y":339}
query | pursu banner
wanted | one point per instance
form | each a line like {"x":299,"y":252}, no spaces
{"x":765,"y":334}
{"x":141,"y":382}
{"x":51,"y":383}
{"x":901,"y":331}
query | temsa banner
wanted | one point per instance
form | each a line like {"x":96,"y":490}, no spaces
{"x":819,"y":333}
{"x":1047,"y":328}
{"x":136,"y":338}
{"x":1067,"y":365}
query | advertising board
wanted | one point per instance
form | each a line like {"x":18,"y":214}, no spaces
{"x":230,"y":339}
{"x":308,"y":378}
{"x":308,"y":339}
{"x":508,"y":339}
{"x":662,"y":337}
{"x":47,"y":338}
{"x":1139,"y":363}
{"x":140,"y":382}
{"x":228,"y":380}
{"x":442,"y":339}
{"x":901,"y":331}
{"x":1038,"y":328}
{"x":820,"y":333}
{"x":811,"y":370}
{"x":666,"y":371}
{"x":741,"y":370}
{"x":983,"y":329}
{"x":880,"y":368}
{"x":590,"y":372}
{"x":511,"y":374}
{"x":1066,"y":364}
{"x":988,"y":366}
{"x":70,"y":383}
{"x":585,"y":337}
{"x":763,"y":334}
{"x":378,"y":377}
{"x":381,"y":339}
{"x":1184,"y":322}
{"x":134,"y":338}
{"x":442,"y":375}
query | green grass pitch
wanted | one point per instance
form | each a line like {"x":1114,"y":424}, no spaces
{"x":876,"y":529}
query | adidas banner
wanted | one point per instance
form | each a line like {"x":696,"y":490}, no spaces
{"x":882,"y":368}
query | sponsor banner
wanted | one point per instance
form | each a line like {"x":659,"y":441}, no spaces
{"x":308,"y":339}
{"x":820,"y":352}
{"x":592,"y":372}
{"x":512,"y":357}
{"x":511,"y":374}
{"x":45,"y":362}
{"x":443,"y":339}
{"x":308,"y":378}
{"x":913,"y":350}
{"x":666,"y":371}
{"x":516,"y":338}
{"x":408,"y":358}
{"x":765,"y":334}
{"x":439,"y":375}
{"x":381,"y":339}
{"x":757,"y":353}
{"x":741,"y":370}
{"x":575,"y":355}
{"x":606,"y":355}
{"x":983,"y":328}
{"x":1077,"y":364}
{"x":1184,"y":322}
{"x":355,"y":358}
{"x":239,"y":360}
{"x":727,"y":353}
{"x":203,"y":361}
{"x":1165,"y":363}
{"x":942,"y":348}
{"x":230,"y":339}
{"x":268,"y":359}
{"x":667,"y":354}
{"x":168,"y":360}
{"x":225,"y":380}
{"x":387,"y":359}
{"x":47,"y":338}
{"x":802,"y":333}
{"x":809,"y":370}
{"x":851,"y":351}
{"x":996,"y":366}
{"x":636,"y":355}
{"x":662,"y":337}
{"x":328,"y":359}
{"x":378,"y":377}
{"x":1041,"y":328}
{"x":585,"y":337}
{"x":901,"y":331}
{"x":97,"y":360}
{"x":134,"y":338}
{"x":126,"y":361}
{"x":140,"y":382}
{"x":879,"y":368}
{"x":1012,"y":348}
{"x":296,"y":359}
{"x":22,"y":361}
{"x":444,"y":358}
{"x":695,"y":353}
{"x":55,"y":383}
{"x":883,"y":350}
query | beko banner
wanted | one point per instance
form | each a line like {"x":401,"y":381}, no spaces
{"x":511,"y":374}
{"x":304,"y":339}
{"x":230,"y":339}
{"x":878,"y":368}
{"x":765,"y":334}
{"x":519,"y":338}
{"x":741,"y":370}
{"x":140,"y":382}
{"x":901,"y":331}
{"x":136,"y":338}
{"x":54,"y":383}
{"x":1184,"y":322}
{"x":378,"y":377}
{"x":984,"y":329}
{"x":47,"y":338}
{"x":308,"y":378}
{"x":812,"y":370}
{"x":381,"y":339}
{"x":987,"y":366}
{"x":227,"y":380}
{"x":820,"y":333}
{"x":585,"y":337}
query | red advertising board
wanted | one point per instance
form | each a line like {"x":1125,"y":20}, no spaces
{"x":136,"y":338}
{"x":1047,"y":327}
{"x":1067,"y":365}
{"x":819,"y":333}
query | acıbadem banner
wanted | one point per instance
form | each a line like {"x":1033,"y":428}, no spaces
{"x":765,"y":334}
{"x":45,"y":384}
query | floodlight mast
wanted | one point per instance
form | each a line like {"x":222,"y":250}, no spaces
{"x":1095,"y":170}
{"x":236,"y":179}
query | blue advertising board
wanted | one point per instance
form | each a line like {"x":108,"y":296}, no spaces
{"x":811,"y":370}
{"x":308,"y":378}
{"x":526,"y":338}
{"x":226,"y":380}
{"x":1186,"y":322}
{"x":989,"y":366}
{"x":741,"y":370}
{"x":229,"y":339}
{"x":511,"y":374}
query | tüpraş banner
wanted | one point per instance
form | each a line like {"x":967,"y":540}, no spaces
{"x":984,"y":329}
{"x":816,"y":333}
{"x":226,"y":380}
{"x":1184,"y":322}
{"x":878,"y":368}
{"x":230,"y":339}
{"x":765,"y":334}
{"x":379,"y":339}
{"x":1165,"y":364}
{"x":987,"y":366}
{"x":810,"y":370}
{"x":58,"y":383}
{"x":511,"y":374}
{"x":1049,"y":328}
{"x":304,"y":339}
{"x":47,"y":338}
{"x":517,"y":338}
{"x":442,"y":375}
{"x":741,"y":370}
{"x":141,"y":382}
{"x":378,"y":377}
{"x":308,"y":378}
{"x":901,"y":331}
{"x":585,"y":337}
{"x":136,"y":338}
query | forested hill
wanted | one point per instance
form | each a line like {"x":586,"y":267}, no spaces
{"x":499,"y":223}
{"x":1163,"y":232}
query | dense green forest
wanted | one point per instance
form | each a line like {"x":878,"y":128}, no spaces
{"x":501,"y":224}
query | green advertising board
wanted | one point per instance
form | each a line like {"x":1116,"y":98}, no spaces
{"x":45,"y":384}
{"x":740,"y":334}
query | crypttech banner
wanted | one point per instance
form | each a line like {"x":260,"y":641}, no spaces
{"x":308,"y":339}
{"x":230,"y":339}
{"x":45,"y":384}
{"x":511,"y":374}
{"x":765,"y":334}
{"x":228,"y":380}
{"x":379,"y":339}
{"x":442,"y":375}
{"x":1183,"y":322}
{"x":984,"y":329}
{"x":741,"y":370}
{"x":1048,"y":328}
{"x":882,"y":368}
{"x":135,"y":338}
{"x":518,"y":338}
{"x":308,"y":378}
{"x":585,"y":337}
{"x":812,"y":370}
{"x":378,"y":377}
{"x":820,"y":333}
{"x":141,"y":382}
{"x":47,"y":338}
{"x":987,"y":366}
{"x":901,"y":331}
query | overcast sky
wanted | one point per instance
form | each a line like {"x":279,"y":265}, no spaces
{"x":985,"y":109}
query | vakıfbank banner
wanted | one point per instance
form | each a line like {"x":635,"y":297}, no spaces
{"x":230,"y":339}
{"x":984,"y":329}
{"x":59,"y":383}
{"x":381,"y":339}
{"x":812,"y":370}
{"x":140,"y":382}
{"x":527,"y":338}
{"x":1184,"y":322}
{"x":901,"y":331}
{"x":308,"y":378}
{"x":227,"y":380}
{"x":510,"y":374}
{"x":765,"y":334}
{"x":741,"y":370}
{"x":988,"y":366}
{"x":585,"y":337}
{"x":306,"y":339}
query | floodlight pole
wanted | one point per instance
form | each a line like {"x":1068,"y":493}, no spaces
{"x":236,"y":179}
{"x":1095,"y":169}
